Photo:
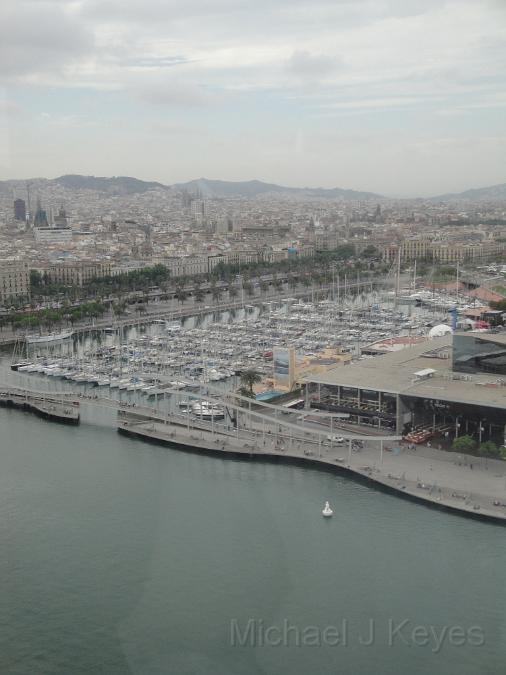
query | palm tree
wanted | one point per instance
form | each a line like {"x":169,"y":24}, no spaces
{"x":249,"y":378}
{"x":118,"y":309}
{"x":216,"y":293}
{"x":249,"y":288}
{"x":180,"y":294}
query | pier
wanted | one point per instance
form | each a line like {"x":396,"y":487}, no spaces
{"x":253,"y":430}
{"x":445,"y":480}
{"x":57,"y":408}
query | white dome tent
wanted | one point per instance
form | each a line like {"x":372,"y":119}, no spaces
{"x":439,"y":330}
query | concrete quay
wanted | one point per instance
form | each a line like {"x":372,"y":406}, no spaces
{"x":48,"y":407}
{"x":461,"y":484}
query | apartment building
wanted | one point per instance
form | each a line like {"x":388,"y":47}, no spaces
{"x":14,"y":280}
{"x":74,"y":273}
{"x":442,"y":252}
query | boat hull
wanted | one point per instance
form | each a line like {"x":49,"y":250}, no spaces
{"x":54,"y":337}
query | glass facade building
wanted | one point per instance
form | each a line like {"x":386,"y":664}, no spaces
{"x":479,"y":354}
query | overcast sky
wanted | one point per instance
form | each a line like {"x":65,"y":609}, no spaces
{"x":402,"y":97}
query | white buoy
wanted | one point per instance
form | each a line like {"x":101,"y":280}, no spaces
{"x":327,"y":511}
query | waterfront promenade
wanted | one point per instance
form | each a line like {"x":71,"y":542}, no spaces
{"x":52,"y":407}
{"x":462,"y":483}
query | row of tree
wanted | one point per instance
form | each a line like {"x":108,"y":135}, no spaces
{"x":323,"y":261}
{"x":48,"y":318}
{"x":136,"y":280}
{"x":159,"y":276}
{"x":469,"y":445}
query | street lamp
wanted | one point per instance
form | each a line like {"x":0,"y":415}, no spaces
{"x":480,"y":429}
{"x":240,"y":280}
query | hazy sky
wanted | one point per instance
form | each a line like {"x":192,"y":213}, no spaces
{"x":403,"y":97}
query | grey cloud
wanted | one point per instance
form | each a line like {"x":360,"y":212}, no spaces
{"x":155,"y":61}
{"x":306,"y":66}
{"x":260,"y":15}
{"x":36,"y":36}
{"x":169,"y":91}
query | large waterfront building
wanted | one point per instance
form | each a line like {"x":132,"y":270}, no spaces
{"x":74,"y":273}
{"x":477,"y":353}
{"x":442,"y":252}
{"x":452,"y":384}
{"x":14,"y":280}
{"x":181,"y":266}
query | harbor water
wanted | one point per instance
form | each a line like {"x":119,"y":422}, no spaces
{"x":121,"y":557}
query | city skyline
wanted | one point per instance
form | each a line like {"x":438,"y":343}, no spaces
{"x":400,"y":98}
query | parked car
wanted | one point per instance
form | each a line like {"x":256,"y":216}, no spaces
{"x":335,"y":440}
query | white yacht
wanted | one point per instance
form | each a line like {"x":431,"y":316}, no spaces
{"x":207,"y":410}
{"x":51,"y":337}
{"x":327,"y":511}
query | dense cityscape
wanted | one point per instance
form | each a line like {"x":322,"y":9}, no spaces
{"x":73,"y":229}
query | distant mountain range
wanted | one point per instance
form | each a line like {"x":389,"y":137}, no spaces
{"x":118,"y":185}
{"x":485,"y":194}
{"x":254,"y":188}
{"x":115,"y":185}
{"x":208,"y":188}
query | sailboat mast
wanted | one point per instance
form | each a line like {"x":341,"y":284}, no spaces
{"x":458,"y":282}
{"x":398,"y":278}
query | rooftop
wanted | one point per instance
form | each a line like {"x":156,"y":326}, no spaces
{"x":422,"y":370}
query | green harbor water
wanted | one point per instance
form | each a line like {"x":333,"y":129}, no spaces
{"x":121,"y":557}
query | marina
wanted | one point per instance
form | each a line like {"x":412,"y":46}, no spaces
{"x":219,"y":346}
{"x":176,"y":383}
